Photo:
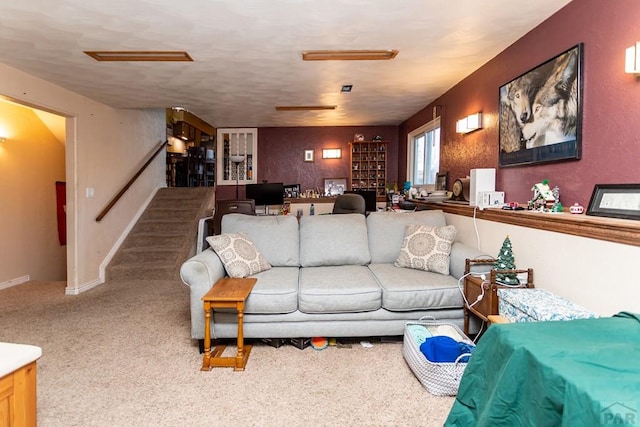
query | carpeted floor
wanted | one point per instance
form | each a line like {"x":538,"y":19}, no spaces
{"x":120,"y":355}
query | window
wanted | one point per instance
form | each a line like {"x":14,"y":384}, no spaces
{"x":237,"y":156}
{"x":424,"y":153}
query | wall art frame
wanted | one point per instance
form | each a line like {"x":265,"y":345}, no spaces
{"x":308,"y":155}
{"x":541,"y":112}
{"x":615,"y":201}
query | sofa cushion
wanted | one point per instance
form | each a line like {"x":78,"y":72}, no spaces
{"x":338,"y":289}
{"x":426,"y":248}
{"x":276,"y":291}
{"x":238,"y":254}
{"x":333,"y":240}
{"x":406,"y":289}
{"x":386,"y":231}
{"x":275,"y":236}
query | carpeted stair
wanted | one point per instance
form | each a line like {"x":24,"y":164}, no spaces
{"x":164,"y":236}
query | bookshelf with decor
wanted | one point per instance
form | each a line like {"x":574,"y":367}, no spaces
{"x":369,"y":166}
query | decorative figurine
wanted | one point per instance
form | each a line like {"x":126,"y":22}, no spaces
{"x":557,"y":206}
{"x":543,"y":197}
{"x":577,"y":208}
{"x":506,"y":261}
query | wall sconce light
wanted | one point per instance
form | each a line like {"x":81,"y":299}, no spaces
{"x":632,"y":59}
{"x":470,"y":123}
{"x":2,"y":139}
{"x":331,"y":153}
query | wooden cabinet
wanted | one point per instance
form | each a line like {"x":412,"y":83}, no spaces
{"x":481,"y":294}
{"x":18,"y":407}
{"x":369,"y":166}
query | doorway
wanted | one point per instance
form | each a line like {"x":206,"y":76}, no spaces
{"x":32,"y":160}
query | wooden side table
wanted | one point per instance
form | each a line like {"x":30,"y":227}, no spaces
{"x":226,"y":293}
{"x":487,"y":290}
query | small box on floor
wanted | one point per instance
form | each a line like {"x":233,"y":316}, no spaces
{"x":300,"y":343}
{"x":274,"y":342}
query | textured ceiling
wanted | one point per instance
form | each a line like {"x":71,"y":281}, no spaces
{"x":247,"y":54}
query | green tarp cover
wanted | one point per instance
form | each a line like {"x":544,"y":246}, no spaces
{"x":565,"y":373}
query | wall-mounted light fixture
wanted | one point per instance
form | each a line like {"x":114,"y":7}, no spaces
{"x":470,"y":123}
{"x":331,"y":153}
{"x":2,"y":139}
{"x":632,"y":59}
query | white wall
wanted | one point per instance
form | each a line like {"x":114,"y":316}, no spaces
{"x":596,"y":274}
{"x":104,"y":148}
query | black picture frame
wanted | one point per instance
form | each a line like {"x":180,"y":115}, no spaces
{"x":615,"y":201}
{"x":541,"y":112}
{"x":292,"y":191}
{"x":442,"y":180}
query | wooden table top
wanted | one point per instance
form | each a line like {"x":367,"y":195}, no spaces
{"x":230,"y":289}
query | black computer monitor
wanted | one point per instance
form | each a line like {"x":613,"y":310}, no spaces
{"x":369,"y":198}
{"x":271,"y":193}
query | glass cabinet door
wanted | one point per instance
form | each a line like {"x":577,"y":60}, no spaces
{"x":237,"y":158}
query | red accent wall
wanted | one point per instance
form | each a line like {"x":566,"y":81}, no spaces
{"x":611,"y":105}
{"x":281,"y":155}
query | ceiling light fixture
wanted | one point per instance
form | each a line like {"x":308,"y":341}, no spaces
{"x":348,"y":55}
{"x":305,"y":107}
{"x":133,"y":55}
{"x":346,"y":88}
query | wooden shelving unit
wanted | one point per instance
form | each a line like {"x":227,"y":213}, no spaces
{"x":369,"y":166}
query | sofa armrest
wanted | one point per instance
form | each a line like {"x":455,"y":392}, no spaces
{"x":200,"y":273}
{"x":459,"y":254}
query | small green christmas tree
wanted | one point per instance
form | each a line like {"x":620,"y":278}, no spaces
{"x":506,"y":261}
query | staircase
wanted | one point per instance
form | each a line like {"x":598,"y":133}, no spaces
{"x":164,"y":236}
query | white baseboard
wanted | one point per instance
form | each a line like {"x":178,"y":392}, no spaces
{"x":14,"y":282}
{"x":83,"y":288}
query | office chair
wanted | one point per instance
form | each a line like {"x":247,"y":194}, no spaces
{"x":223,"y":207}
{"x":349,"y":203}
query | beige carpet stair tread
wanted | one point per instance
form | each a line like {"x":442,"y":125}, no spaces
{"x":164,"y":236}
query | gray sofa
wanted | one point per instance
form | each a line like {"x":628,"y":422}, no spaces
{"x":331,"y":276}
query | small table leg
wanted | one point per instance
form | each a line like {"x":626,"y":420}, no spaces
{"x":466,"y":321}
{"x":239,"y":356}
{"x":206,"y":359}
{"x":243,"y":351}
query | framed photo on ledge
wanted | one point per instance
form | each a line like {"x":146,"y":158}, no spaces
{"x":541,"y":113}
{"x":441,"y":181}
{"x":335,"y":186}
{"x":615,"y":201}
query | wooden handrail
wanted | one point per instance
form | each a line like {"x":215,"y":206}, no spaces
{"x":128,"y":184}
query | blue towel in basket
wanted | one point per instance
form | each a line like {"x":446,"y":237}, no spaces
{"x":441,"y":348}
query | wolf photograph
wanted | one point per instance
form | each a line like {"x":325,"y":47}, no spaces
{"x":540,"y":112}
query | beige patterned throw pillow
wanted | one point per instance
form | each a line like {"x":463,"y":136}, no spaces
{"x":426,"y":248}
{"x":238,"y":254}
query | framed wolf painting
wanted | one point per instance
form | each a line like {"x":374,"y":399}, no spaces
{"x":541,"y":112}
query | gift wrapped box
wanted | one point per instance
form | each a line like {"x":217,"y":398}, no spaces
{"x":534,"y":305}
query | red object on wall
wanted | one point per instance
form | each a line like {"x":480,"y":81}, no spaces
{"x":61,"y":211}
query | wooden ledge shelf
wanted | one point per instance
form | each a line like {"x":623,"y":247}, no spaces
{"x":624,"y":231}
{"x":327,"y":199}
